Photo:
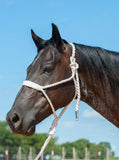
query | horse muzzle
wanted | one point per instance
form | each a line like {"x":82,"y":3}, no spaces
{"x":19,"y":125}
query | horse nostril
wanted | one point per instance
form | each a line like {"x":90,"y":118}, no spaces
{"x":15,"y":118}
{"x":16,"y":121}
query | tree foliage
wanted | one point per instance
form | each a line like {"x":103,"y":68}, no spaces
{"x":80,"y":146}
{"x":7,"y":138}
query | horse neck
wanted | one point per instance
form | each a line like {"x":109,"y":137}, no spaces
{"x":97,"y":87}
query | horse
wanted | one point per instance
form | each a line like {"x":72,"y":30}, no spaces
{"x":99,"y":82}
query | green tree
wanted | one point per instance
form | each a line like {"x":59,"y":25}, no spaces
{"x":105,"y":145}
{"x":7,"y":138}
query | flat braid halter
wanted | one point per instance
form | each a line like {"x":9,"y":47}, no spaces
{"x":74,"y":69}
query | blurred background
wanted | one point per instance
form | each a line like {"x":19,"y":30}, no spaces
{"x":94,"y":23}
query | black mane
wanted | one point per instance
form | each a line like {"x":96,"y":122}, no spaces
{"x":101,"y":65}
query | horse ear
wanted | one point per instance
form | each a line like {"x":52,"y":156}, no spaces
{"x":37,"y":40}
{"x":56,"y":36}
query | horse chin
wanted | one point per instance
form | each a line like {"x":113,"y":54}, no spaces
{"x":30,"y":131}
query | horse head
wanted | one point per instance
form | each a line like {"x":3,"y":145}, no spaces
{"x":51,"y":65}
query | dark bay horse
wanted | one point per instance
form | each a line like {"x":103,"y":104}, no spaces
{"x":99,"y":81}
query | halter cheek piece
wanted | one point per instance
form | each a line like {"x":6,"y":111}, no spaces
{"x":74,"y":69}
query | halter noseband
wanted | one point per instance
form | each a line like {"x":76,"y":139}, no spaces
{"x":74,"y":67}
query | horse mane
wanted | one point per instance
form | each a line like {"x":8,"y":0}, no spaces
{"x":99,"y":63}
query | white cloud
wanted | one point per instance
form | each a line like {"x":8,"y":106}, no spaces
{"x":91,"y":114}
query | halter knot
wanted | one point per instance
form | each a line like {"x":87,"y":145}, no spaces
{"x":73,"y":64}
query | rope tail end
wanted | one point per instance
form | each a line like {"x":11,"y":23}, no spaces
{"x":77,"y":115}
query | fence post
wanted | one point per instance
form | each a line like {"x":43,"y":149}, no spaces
{"x":63,"y":153}
{"x":74,"y":153}
{"x":95,"y":153}
{"x":30,"y":154}
{"x":7,"y":153}
{"x":86,"y":153}
{"x":107,"y":153}
{"x":19,"y":154}
{"x":42,"y":156}
{"x":52,"y":153}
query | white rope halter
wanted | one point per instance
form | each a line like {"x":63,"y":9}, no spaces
{"x":74,"y":69}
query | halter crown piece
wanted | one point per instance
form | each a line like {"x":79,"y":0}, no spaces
{"x":74,"y":69}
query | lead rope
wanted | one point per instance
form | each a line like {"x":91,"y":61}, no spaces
{"x":75,"y":77}
{"x":77,"y":84}
{"x":51,"y":133}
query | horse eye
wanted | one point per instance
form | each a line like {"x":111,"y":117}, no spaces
{"x":64,"y":47}
{"x":48,"y":70}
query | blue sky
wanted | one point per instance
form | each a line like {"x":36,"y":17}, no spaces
{"x":94,"y":23}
